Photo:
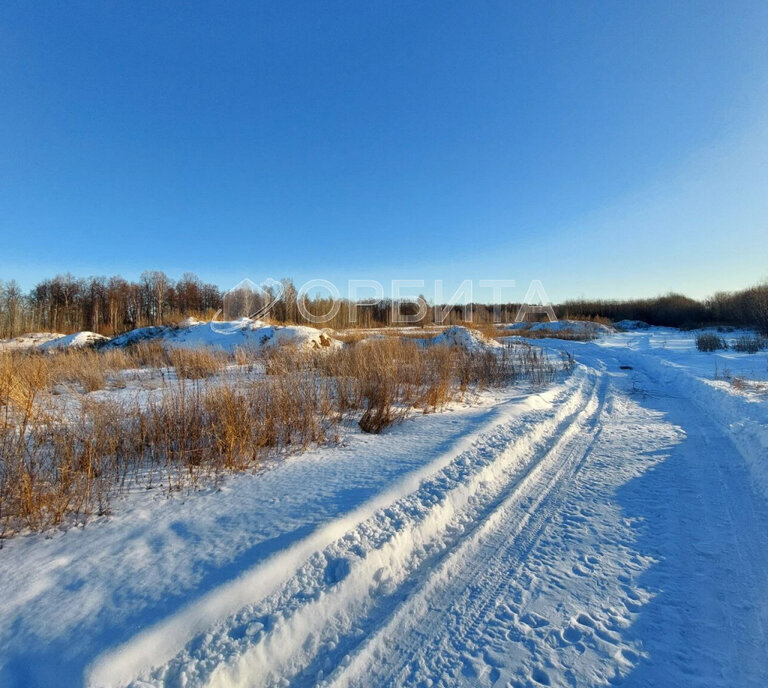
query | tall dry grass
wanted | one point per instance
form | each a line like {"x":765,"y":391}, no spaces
{"x":195,"y":364}
{"x":60,"y":464}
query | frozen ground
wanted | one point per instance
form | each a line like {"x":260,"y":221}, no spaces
{"x":612,"y":530}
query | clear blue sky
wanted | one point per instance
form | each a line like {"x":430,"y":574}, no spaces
{"x":606,"y":148}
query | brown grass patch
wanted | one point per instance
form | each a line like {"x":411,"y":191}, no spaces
{"x":56,"y":466}
{"x":195,"y":364}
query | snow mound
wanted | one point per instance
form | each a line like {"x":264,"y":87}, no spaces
{"x":464,"y":338}
{"x":230,"y":336}
{"x":29,"y":341}
{"x":631,"y":325}
{"x":78,"y":340}
{"x":301,"y":336}
{"x":135,"y":336}
{"x":573,"y":327}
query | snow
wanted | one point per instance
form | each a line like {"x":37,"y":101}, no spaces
{"x":78,"y":340}
{"x":579,"y":327}
{"x":612,"y":529}
{"x":190,"y":333}
{"x":29,"y":341}
{"x":230,"y":335}
{"x":53,"y":341}
{"x":463,"y":338}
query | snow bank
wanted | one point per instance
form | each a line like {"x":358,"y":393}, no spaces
{"x":135,"y":336}
{"x":53,"y":341}
{"x":463,"y":338}
{"x":78,"y":340}
{"x":572,"y":327}
{"x":29,"y":341}
{"x":230,"y":335}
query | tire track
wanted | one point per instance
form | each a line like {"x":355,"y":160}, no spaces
{"x":515,"y":524}
{"x":325,"y":608}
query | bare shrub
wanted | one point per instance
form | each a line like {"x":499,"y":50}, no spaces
{"x":379,"y":413}
{"x":708,"y":341}
{"x":749,"y":345}
{"x":739,"y":384}
{"x":570,"y":334}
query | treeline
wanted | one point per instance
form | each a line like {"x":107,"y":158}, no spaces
{"x":746,"y":308}
{"x":105,"y":305}
{"x":114,"y":305}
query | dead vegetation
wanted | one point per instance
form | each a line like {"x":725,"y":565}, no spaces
{"x":750,"y":344}
{"x":487,"y":330}
{"x":571,"y":334}
{"x":740,"y":383}
{"x":195,"y":364}
{"x":708,"y":341}
{"x":60,"y":463}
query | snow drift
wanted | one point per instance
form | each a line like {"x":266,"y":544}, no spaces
{"x":78,"y":340}
{"x":464,"y":338}
{"x":572,"y":327}
{"x":53,"y":341}
{"x":29,"y":341}
{"x":230,"y":335}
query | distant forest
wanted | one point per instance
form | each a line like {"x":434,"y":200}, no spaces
{"x":114,"y":305}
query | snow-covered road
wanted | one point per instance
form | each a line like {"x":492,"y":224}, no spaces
{"x":612,"y":530}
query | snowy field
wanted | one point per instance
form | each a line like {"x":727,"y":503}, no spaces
{"x":611,"y":529}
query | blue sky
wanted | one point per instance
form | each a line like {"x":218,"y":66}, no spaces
{"x":607,"y":149}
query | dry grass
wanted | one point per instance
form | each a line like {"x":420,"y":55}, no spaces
{"x":743,"y":384}
{"x":488,"y":330}
{"x":418,"y":334}
{"x":351,"y":336}
{"x":150,"y":354}
{"x":599,"y":319}
{"x":56,"y":466}
{"x":85,"y":368}
{"x":568,"y":334}
{"x":194,"y":364}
